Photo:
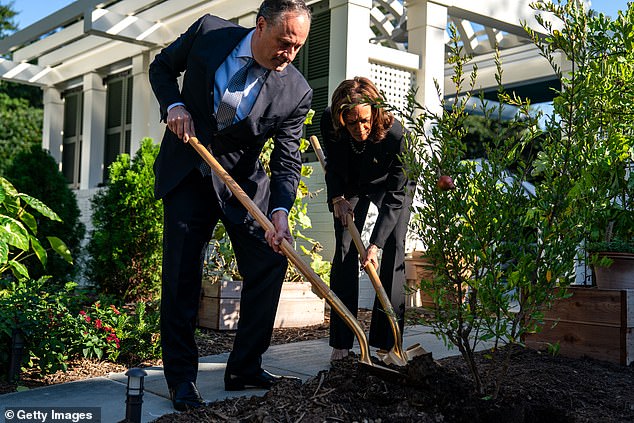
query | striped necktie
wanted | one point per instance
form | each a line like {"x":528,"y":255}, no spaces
{"x":229,"y":103}
{"x":232,"y":96}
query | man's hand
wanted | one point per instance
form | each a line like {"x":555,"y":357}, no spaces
{"x":371,"y":254}
{"x":341,"y":208}
{"x":280,"y":223}
{"x":180,"y":122}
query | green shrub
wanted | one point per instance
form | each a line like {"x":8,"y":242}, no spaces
{"x":49,"y":185}
{"x":125,"y":246}
{"x":43,"y":319}
{"x":66,"y":323}
{"x":21,"y":128}
{"x":498,"y":248}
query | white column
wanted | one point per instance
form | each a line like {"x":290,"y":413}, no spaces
{"x":426,"y":25}
{"x":94,"y":131}
{"x":156,"y":128}
{"x":349,"y":38}
{"x":52,"y":130}
{"x":144,"y":106}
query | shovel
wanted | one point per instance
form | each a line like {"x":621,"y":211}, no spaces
{"x":396,"y":355}
{"x":322,"y":289}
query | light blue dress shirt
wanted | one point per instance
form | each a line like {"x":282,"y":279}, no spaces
{"x":255,"y":77}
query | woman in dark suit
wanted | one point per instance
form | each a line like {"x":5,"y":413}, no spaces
{"x":363,"y":143}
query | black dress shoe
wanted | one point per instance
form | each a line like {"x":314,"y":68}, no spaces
{"x":262,"y":380}
{"x":185,"y":396}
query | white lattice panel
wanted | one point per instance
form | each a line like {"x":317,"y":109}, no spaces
{"x":393,"y":82}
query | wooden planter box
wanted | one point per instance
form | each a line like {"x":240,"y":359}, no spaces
{"x":620,"y":275}
{"x":417,"y":268}
{"x":595,"y":323}
{"x":220,"y":305}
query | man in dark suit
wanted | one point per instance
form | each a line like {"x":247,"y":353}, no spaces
{"x":272,"y":101}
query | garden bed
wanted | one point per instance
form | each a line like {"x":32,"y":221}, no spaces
{"x":539,"y":388}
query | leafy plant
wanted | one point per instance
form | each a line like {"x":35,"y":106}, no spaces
{"x":498,"y":247}
{"x":7,"y":24}
{"x":18,"y":232}
{"x":125,"y":245}
{"x":141,"y":340}
{"x":554,"y":348}
{"x":601,"y":54}
{"x":97,"y":332}
{"x":41,"y":317}
{"x":49,"y":185}
{"x":118,"y":334}
{"x":220,"y":261}
{"x":62,"y":324}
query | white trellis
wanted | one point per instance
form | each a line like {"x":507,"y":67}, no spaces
{"x":394,"y":82}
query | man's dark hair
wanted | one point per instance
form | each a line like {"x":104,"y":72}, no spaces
{"x":272,"y":10}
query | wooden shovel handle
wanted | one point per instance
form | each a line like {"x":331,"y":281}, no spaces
{"x":378,"y":288}
{"x":318,"y":151}
{"x":322,"y":289}
{"x":369,"y":269}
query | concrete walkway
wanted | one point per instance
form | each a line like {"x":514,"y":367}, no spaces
{"x":108,"y":394}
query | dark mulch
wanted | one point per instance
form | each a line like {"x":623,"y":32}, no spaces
{"x":539,"y":389}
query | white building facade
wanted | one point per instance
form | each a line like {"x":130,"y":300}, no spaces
{"x":91,"y":60}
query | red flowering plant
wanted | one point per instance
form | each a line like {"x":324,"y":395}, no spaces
{"x":101,"y":331}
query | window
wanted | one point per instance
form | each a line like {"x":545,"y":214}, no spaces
{"x":71,"y":141}
{"x":118,"y":118}
{"x":313,"y":62}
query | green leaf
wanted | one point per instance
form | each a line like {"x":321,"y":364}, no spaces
{"x":14,"y":233}
{"x":4,"y":251}
{"x":8,"y":188}
{"x":19,"y":269}
{"x":309,"y":117}
{"x":60,"y":248}
{"x":39,"y":251}
{"x":29,"y":221}
{"x":45,"y":210}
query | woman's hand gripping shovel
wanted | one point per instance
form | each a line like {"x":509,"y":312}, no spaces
{"x":396,"y":355}
{"x":320,"y":287}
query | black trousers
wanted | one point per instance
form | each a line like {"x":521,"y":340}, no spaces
{"x":191,"y":213}
{"x":344,"y":278}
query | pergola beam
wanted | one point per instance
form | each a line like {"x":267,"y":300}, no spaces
{"x":130,"y":28}
{"x":50,"y":23}
{"x":25,"y":73}
{"x":506,"y":16}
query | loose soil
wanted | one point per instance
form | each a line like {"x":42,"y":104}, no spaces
{"x":539,"y":388}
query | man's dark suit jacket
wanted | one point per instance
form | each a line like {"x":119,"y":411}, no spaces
{"x":278,"y":112}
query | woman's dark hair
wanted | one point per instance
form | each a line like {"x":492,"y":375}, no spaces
{"x":272,"y":10}
{"x":354,"y":92}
